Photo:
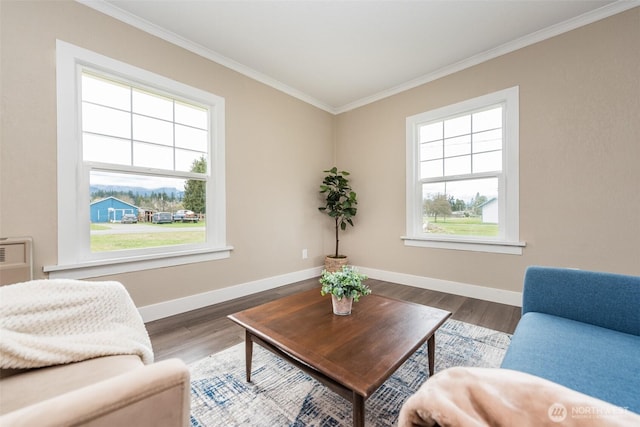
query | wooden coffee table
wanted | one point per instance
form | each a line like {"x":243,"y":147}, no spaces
{"x":352,"y":355}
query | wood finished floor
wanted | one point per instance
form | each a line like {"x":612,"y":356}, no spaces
{"x":196,"y":334}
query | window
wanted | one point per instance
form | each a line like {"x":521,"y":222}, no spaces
{"x":143,"y":156}
{"x":462,"y":175}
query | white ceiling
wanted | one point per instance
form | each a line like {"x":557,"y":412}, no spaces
{"x":339,"y":55}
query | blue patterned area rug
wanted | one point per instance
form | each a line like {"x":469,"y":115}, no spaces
{"x":282,"y":395}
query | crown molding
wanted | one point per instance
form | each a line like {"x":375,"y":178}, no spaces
{"x":544,"y":34}
{"x":153,"y":29}
{"x":530,"y":39}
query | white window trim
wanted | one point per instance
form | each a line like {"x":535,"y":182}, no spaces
{"x":74,"y":256}
{"x":508,"y":242}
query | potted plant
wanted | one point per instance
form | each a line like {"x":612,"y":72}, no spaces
{"x":345,"y":287}
{"x":340,"y":204}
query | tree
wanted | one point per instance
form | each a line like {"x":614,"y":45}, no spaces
{"x":457,"y":205}
{"x":476,"y":202}
{"x":194,"y":189}
{"x":437,"y":205}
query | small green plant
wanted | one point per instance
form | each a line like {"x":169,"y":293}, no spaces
{"x":345,"y":283}
{"x":340,"y":201}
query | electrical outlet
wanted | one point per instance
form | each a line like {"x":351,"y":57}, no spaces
{"x":305,"y":255}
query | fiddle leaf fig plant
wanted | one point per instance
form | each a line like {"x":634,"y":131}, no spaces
{"x":340,"y":200}
{"x":345,"y":283}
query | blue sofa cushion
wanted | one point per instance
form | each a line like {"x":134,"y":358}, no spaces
{"x":603,"y":299}
{"x":592,"y":360}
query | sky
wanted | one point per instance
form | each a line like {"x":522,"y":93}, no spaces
{"x":131,"y":180}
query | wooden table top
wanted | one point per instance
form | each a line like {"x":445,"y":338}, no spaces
{"x":361,"y":350}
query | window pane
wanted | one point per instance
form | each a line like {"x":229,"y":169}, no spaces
{"x":458,"y":126}
{"x":105,"y":92}
{"x":105,"y":121}
{"x":473,"y":190}
{"x":457,"y":146}
{"x":156,"y":139}
{"x":98,"y":148}
{"x":191,"y":115}
{"x":487,"y":162}
{"x":462,"y":208}
{"x":431,"y":169}
{"x":430,"y":151}
{"x":185,"y":159}
{"x":460,"y":188}
{"x":152,"y":130}
{"x":192,"y":138}
{"x":489,"y":119}
{"x":152,"y":105}
{"x":431,"y":132}
{"x":457,"y":165}
{"x":131,"y":211}
{"x":433,"y":188}
{"x":152,"y":156}
{"x":487,"y":141}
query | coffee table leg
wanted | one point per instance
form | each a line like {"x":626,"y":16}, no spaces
{"x":358,"y":410}
{"x":431,"y":352}
{"x":248,"y":353}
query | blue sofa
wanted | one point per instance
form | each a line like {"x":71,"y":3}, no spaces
{"x":581,"y":329}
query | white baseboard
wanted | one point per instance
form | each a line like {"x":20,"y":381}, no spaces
{"x":193,"y":302}
{"x":464,"y":289}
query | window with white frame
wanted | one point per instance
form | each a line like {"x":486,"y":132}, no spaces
{"x":140,"y":168}
{"x":462,"y":175}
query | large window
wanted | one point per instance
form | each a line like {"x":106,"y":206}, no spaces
{"x":140,"y":168}
{"x":462,"y":175}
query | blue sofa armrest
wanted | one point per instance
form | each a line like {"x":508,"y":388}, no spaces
{"x":603,"y":299}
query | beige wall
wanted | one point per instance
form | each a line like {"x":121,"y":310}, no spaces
{"x":579,"y":159}
{"x":579,"y":152}
{"x":276,"y":149}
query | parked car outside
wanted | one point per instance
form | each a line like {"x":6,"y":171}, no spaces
{"x":129,"y":219}
{"x":162,"y":218}
{"x":185,"y":215}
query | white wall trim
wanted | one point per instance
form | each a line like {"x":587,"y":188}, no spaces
{"x":193,"y":302}
{"x":75,"y":258}
{"x":507,"y":240}
{"x":99,"y":268}
{"x":457,"y":288}
{"x":496,"y":247}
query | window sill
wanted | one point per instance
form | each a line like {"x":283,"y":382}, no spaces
{"x":85,"y":270}
{"x":493,"y":246}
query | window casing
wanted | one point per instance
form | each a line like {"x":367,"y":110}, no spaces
{"x":149,"y":128}
{"x":462,"y":175}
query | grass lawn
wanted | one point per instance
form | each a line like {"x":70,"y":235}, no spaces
{"x":98,"y":227}
{"x":116,"y":242}
{"x":147,"y":239}
{"x":471,"y":226}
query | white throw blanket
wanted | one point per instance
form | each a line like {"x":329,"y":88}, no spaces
{"x":51,"y":322}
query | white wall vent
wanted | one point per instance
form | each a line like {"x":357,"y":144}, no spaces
{"x":16,"y":260}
